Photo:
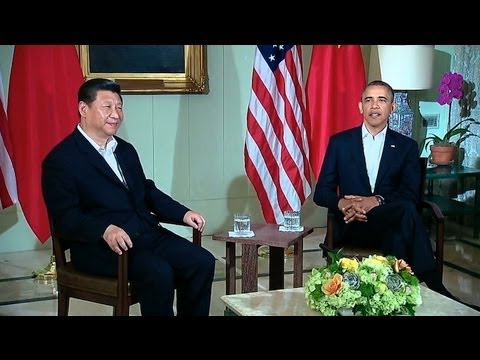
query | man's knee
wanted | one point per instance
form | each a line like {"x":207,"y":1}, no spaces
{"x":409,"y":214}
{"x":206,"y":260}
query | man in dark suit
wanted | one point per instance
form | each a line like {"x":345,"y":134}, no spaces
{"x":97,"y":195}
{"x":370,"y":178}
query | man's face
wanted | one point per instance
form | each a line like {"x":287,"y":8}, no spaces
{"x":376,"y":106}
{"x":103,"y":116}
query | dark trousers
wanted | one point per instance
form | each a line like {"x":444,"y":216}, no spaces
{"x":160,"y":262}
{"x":398,"y":230}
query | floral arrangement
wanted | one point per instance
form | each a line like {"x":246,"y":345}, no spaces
{"x":375,"y":285}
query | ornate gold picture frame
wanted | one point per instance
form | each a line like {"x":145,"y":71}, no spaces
{"x":155,"y":69}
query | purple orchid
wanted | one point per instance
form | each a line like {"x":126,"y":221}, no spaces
{"x":450,"y":88}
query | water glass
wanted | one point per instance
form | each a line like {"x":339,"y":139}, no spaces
{"x":291,"y":220}
{"x":241,"y":224}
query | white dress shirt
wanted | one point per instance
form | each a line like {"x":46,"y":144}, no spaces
{"x":373,"y":149}
{"x":107,"y":153}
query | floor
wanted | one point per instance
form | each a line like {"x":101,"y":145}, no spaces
{"x":21,"y":295}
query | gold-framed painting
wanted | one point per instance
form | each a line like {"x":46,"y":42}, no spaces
{"x":144,"y":69}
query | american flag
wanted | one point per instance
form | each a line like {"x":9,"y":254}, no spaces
{"x":8,"y":181}
{"x":276,"y":145}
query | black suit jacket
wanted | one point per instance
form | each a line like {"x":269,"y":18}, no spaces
{"x":84,"y":196}
{"x":344,"y":170}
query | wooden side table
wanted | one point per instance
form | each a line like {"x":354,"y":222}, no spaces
{"x":265,"y":234}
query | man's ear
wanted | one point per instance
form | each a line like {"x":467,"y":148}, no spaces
{"x":394,"y":106}
{"x":82,"y":108}
{"x":360,"y":107}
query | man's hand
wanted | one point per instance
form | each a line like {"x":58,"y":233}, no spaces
{"x":195,"y":220}
{"x":117,"y":239}
{"x":355,"y":207}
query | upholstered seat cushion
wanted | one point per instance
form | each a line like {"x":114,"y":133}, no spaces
{"x":68,"y":276}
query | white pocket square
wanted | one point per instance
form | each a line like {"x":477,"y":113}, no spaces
{"x":392,"y":145}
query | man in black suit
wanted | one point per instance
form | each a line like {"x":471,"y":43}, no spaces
{"x":97,"y":195}
{"x":370,"y":178}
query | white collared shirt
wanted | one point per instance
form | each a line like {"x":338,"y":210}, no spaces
{"x":373,"y":149}
{"x":107,"y":153}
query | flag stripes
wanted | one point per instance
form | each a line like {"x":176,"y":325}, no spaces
{"x":8,"y":181}
{"x":276,"y":146}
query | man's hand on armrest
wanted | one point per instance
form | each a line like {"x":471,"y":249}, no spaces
{"x":195,"y":220}
{"x":117,"y":239}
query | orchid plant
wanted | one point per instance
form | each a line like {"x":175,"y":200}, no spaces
{"x":453,"y":86}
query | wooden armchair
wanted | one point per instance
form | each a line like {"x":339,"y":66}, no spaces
{"x":116,"y":292}
{"x":433,"y":212}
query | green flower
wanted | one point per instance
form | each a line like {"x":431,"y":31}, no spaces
{"x":394,"y":282}
{"x":352,"y":280}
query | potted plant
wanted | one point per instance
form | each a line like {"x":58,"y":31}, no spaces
{"x":443,"y":150}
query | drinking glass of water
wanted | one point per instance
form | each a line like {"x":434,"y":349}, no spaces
{"x":291,"y":220}
{"x":241,"y":224}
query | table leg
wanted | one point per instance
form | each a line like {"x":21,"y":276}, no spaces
{"x":249,"y":268}
{"x":298,"y":264}
{"x":460,"y":190}
{"x":230,"y":267}
{"x":276,"y":266}
{"x":476,"y":204}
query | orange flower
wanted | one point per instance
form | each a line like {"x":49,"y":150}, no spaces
{"x":400,"y":265}
{"x":333,"y":286}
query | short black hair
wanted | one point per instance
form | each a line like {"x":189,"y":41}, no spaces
{"x":88,"y":91}
{"x":379,"y":83}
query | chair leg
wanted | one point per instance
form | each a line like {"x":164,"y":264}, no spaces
{"x":63,"y":302}
{"x":121,"y":309}
{"x":118,"y":311}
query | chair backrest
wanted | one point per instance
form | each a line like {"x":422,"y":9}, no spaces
{"x":116,"y":292}
{"x":434,"y":212}
{"x":422,"y":162}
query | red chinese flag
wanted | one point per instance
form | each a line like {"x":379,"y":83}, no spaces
{"x":335,"y":82}
{"x":42,"y":110}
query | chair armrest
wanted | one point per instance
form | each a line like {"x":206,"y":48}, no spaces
{"x":437,"y":213}
{"x":196,"y":235}
{"x":122,"y":289}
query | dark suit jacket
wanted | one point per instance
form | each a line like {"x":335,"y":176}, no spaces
{"x":344,"y":170}
{"x":83,"y":195}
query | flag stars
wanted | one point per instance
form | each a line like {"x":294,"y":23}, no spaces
{"x":274,"y":54}
{"x":277,"y":48}
{"x":284,"y":156}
